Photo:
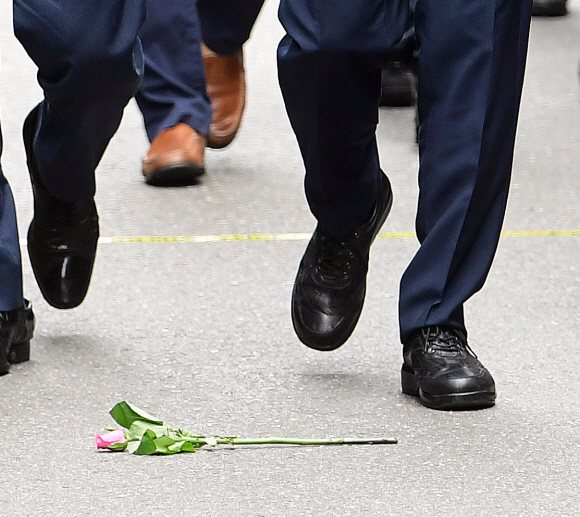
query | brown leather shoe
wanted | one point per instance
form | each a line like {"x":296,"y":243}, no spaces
{"x":175,"y":157}
{"x":226,"y":87}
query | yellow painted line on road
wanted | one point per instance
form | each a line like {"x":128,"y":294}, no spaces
{"x":542,"y":233}
{"x":209,"y":238}
{"x":230,"y":238}
{"x":198,"y":239}
{"x":304,"y":236}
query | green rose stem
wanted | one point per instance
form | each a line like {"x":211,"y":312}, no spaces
{"x":274,"y":440}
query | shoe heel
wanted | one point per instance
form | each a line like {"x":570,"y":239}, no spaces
{"x":19,"y":353}
{"x":409,"y":383}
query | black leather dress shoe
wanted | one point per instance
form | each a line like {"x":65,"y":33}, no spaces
{"x":441,"y":369}
{"x":398,"y":84}
{"x":549,"y":8}
{"x":16,"y":329}
{"x":330,"y":286}
{"x":62,"y":237}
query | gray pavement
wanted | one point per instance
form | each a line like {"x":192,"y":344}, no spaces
{"x":199,"y":334}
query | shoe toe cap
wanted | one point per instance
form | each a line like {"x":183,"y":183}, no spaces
{"x":459,"y":383}
{"x":64,"y":285}
{"x":318,"y":330}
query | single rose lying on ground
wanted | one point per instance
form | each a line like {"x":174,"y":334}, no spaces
{"x":148,"y":435}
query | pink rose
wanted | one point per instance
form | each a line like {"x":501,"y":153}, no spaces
{"x":106,"y":440}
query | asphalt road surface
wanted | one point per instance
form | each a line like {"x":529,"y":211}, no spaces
{"x":199,"y":333}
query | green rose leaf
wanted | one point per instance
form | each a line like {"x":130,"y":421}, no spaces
{"x":125,"y":414}
{"x":176,"y":447}
{"x":187,"y":434}
{"x":197,"y":442}
{"x":164,"y":445}
{"x":147,"y":444}
{"x":133,"y":446}
{"x":119,"y":446}
{"x":138,"y":428}
{"x":183,"y":446}
{"x":188,"y":447}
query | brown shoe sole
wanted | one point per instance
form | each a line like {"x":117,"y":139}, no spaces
{"x":175,"y":175}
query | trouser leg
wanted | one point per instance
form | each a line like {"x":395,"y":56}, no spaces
{"x":10,"y":261}
{"x":471,"y":65}
{"x":405,"y":49}
{"x":226,"y":24}
{"x":329,"y":67}
{"x":89,"y":66}
{"x":173,"y":88}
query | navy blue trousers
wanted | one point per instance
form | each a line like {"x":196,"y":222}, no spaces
{"x":10,"y":261}
{"x":173,"y":87}
{"x":226,"y":24}
{"x":471,"y":65}
{"x":89,"y":66}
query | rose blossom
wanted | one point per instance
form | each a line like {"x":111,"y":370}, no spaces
{"x":104,"y":441}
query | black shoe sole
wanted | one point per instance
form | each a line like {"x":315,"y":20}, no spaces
{"x":452,"y":402}
{"x":175,"y":175}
